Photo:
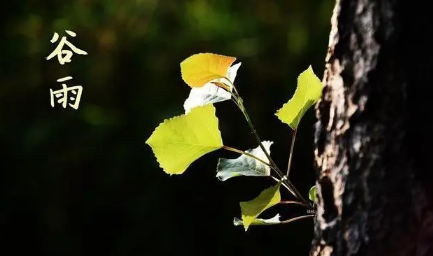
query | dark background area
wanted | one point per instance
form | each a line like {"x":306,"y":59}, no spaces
{"x":83,"y":182}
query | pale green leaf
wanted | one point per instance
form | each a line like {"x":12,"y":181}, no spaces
{"x":252,"y":209}
{"x":308,"y":92}
{"x":179,"y":141}
{"x":245,"y":165}
{"x":312,"y":194}
{"x":259,"y":222}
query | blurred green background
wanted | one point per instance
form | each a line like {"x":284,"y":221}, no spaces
{"x":83,"y":182}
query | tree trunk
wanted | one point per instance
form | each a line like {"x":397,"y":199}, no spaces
{"x":374,"y":137}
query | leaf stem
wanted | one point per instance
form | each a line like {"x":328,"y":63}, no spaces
{"x":291,"y":202}
{"x":221,"y":85}
{"x":245,"y":153}
{"x":234,"y":100}
{"x":292,"y":146}
{"x":284,"y":184}
{"x":296,"y":218}
{"x":286,"y":221}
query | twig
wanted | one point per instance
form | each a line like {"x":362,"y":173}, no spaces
{"x":292,"y":146}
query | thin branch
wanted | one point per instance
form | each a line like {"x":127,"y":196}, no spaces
{"x":296,"y":218}
{"x":291,"y":202}
{"x":292,"y":188}
{"x":292,"y":146}
{"x":285,"y":185}
{"x":235,"y":100}
{"x":284,"y":178}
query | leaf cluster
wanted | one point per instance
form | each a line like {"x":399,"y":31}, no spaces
{"x":181,"y":140}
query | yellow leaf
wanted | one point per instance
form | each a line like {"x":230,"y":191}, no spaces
{"x":199,"y":69}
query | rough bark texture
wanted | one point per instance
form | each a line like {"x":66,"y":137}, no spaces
{"x":374,"y":136}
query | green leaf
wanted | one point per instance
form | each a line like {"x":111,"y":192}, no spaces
{"x":312,"y":194}
{"x":259,"y":222}
{"x":251,"y":209}
{"x":179,"y":141}
{"x":245,"y":165}
{"x":308,"y":92}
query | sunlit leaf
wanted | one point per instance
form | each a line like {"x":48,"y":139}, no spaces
{"x":308,"y":92}
{"x":258,"y":221}
{"x":312,"y":194}
{"x":212,"y":92}
{"x":245,"y":165}
{"x":251,"y":209}
{"x":199,"y":69}
{"x":179,"y":141}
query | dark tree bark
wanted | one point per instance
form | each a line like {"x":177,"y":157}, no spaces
{"x":374,"y":136}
